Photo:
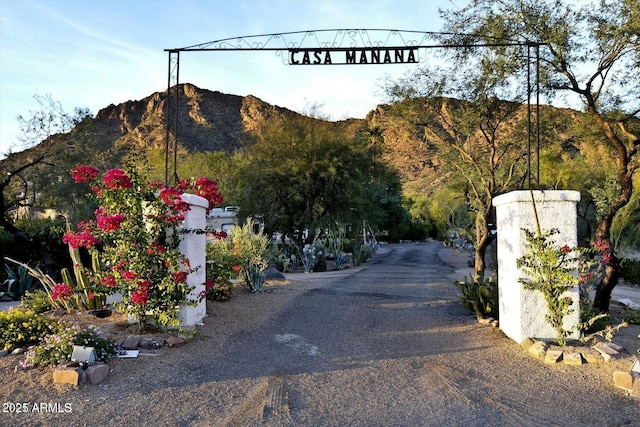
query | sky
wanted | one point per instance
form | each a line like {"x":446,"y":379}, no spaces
{"x":93,"y":53}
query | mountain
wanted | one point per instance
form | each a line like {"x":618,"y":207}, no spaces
{"x":213,"y":121}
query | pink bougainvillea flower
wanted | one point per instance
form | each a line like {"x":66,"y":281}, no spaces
{"x":84,"y":174}
{"x":565,"y":249}
{"x":208,"y":284}
{"x":61,"y":290}
{"x":83,"y":239}
{"x":117,"y":179}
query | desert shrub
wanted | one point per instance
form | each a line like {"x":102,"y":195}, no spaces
{"x":631,"y":315}
{"x":21,"y":328}
{"x":630,"y":271}
{"x":592,"y":319}
{"x":56,"y":349}
{"x":479,"y":296}
{"x":222,"y":268}
{"x":37,"y":301}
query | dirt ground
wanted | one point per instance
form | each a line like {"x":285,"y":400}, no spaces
{"x":224,"y":323}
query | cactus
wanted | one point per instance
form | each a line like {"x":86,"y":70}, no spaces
{"x":81,"y":281}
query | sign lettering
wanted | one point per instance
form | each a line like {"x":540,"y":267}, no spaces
{"x":402,"y":55}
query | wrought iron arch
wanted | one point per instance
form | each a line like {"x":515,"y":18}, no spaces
{"x":346,"y":41}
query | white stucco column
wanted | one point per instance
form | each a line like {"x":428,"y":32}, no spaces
{"x":193,"y":246}
{"x":522,"y":312}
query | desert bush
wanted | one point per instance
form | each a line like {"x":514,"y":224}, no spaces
{"x":21,"y":328}
{"x":630,"y":271}
{"x":479,"y":296}
{"x":57,"y":348}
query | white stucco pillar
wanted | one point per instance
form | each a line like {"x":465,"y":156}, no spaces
{"x":193,"y":246}
{"x":522,"y":312}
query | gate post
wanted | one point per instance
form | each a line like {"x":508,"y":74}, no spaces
{"x":522,"y":312}
{"x":193,"y":247}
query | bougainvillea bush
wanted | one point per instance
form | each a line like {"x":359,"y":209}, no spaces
{"x":136,"y":233}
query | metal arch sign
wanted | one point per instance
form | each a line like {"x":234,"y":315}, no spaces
{"x":337,"y":47}
{"x":361,"y":56}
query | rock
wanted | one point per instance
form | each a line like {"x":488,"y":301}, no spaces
{"x":538,"y":349}
{"x":485,"y":320}
{"x":3,"y":353}
{"x":615,"y":346}
{"x":17,"y":351}
{"x":131,"y":342}
{"x":606,"y":351}
{"x":175,"y":341}
{"x":528,"y":342}
{"x":572,"y":358}
{"x":67,"y":376}
{"x":274,"y":274}
{"x":553,"y":356}
{"x":97,"y":373}
{"x":495,"y":323}
{"x":591,"y":355}
{"x":625,"y":379}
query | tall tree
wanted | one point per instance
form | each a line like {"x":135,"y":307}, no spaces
{"x":478,"y":135}
{"x":591,"y":50}
{"x":303,"y":174}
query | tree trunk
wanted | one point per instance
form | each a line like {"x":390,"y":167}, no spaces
{"x":483,"y":240}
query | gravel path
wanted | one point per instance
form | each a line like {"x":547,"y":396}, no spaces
{"x":386,"y":344}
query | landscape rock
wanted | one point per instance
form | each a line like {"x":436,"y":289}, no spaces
{"x":131,"y":342}
{"x":553,"y":356}
{"x":625,"y":379}
{"x":97,"y":373}
{"x":591,"y":355}
{"x":175,"y":341}
{"x":17,"y":351}
{"x":538,"y":349}
{"x":528,"y":342}
{"x":572,"y":358}
{"x":606,"y":351}
{"x":71,"y":376}
{"x":3,"y":353}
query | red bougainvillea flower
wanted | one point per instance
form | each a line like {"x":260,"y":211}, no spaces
{"x":117,"y":179}
{"x":204,"y":187}
{"x":61,"y":291}
{"x":208,"y":284}
{"x":129,"y":275}
{"x":84,"y":174}
{"x":140,"y":297}
{"x":180,"y":277}
{"x":236,"y":268}
{"x":109,"y":281}
{"x":108,"y":223}
{"x":155,"y":249}
{"x":565,"y":249}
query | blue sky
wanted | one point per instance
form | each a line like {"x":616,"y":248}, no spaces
{"x":93,"y":53}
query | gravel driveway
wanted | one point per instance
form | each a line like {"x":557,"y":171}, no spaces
{"x":386,"y":344}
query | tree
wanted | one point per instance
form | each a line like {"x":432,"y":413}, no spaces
{"x":19,"y":184}
{"x":478,"y":136}
{"x":592,"y":51}
{"x":305,"y":174}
